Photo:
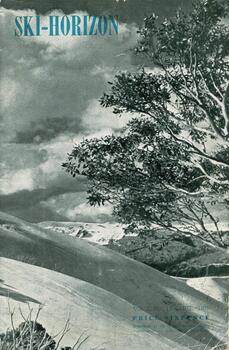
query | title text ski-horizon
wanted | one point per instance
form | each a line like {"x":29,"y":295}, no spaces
{"x":73,"y":25}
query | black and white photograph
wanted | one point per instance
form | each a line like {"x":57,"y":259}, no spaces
{"x":114,"y":174}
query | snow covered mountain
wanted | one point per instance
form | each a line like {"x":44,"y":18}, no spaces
{"x":93,"y":232}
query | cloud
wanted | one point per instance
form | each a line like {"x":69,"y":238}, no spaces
{"x":50,"y":90}
{"x":21,"y":180}
{"x":129,"y":11}
{"x":101,"y":120}
{"x":35,"y":213}
{"x":85,"y":213}
{"x":18,"y":163}
{"x":48,"y":83}
{"x":74,"y":207}
{"x":65,"y":202}
{"x":33,"y":205}
{"x":31,"y":167}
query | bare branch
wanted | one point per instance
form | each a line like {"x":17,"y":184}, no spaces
{"x":192,"y":194}
{"x":215,"y":86}
{"x":225,"y":112}
{"x":212,"y":179}
{"x":197,"y":151}
{"x":190,"y":96}
{"x":214,"y":97}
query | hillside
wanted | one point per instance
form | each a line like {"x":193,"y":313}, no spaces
{"x":140,"y":285}
{"x":106,"y":318}
{"x":177,"y":255}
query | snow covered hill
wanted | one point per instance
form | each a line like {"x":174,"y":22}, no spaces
{"x":107,"y":319}
{"x":172,"y":301}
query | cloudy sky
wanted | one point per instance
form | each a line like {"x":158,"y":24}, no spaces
{"x":50,"y":89}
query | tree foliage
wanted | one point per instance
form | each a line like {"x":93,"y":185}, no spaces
{"x":170,"y":165}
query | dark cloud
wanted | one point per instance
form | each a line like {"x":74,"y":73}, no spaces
{"x":27,"y":198}
{"x":95,"y":217}
{"x":36,"y":213}
{"x":37,"y":132}
{"x":31,"y":205}
{"x":15,"y":157}
{"x":129,"y":11}
{"x":68,"y":202}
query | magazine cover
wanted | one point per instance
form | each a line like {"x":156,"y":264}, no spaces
{"x":114,"y":230}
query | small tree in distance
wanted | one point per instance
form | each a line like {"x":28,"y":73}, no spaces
{"x":170,"y":165}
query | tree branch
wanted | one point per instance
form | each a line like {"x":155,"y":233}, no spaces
{"x":212,"y":179}
{"x":212,"y":159}
{"x":192,"y":194}
{"x":225,"y":112}
{"x":189,"y":95}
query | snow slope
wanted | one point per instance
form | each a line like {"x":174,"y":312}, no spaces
{"x":106,"y":318}
{"x":150,"y":290}
{"x":215,"y":287}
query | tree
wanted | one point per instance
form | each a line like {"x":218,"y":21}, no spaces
{"x":170,"y":165}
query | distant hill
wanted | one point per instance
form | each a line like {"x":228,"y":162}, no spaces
{"x":177,"y":255}
{"x":93,"y":232}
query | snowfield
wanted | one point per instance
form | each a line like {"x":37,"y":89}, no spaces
{"x":119,"y":287}
{"x":215,"y":287}
{"x":93,"y":232}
